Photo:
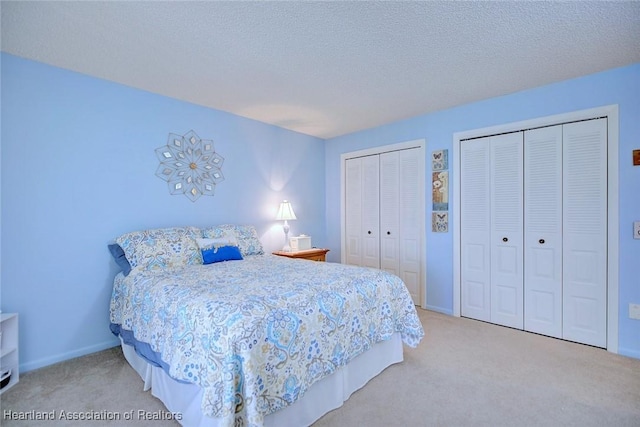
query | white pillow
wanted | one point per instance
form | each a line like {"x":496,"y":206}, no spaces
{"x":226,"y":240}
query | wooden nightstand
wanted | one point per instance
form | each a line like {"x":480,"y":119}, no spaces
{"x":315,"y":254}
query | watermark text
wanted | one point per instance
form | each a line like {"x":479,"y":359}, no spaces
{"x":58,"y":415}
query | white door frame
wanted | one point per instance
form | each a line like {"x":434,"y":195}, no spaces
{"x":417,"y":143}
{"x":609,"y":111}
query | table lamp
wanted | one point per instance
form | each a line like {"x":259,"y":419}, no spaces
{"x":286,"y":213}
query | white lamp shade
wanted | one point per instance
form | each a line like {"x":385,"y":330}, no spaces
{"x":285,"y":212}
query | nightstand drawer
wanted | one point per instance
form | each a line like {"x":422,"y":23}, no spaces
{"x":315,"y":254}
{"x":319,"y":257}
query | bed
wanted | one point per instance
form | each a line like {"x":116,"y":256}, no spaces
{"x":226,"y":335}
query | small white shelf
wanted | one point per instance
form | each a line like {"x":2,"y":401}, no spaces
{"x":9,"y":358}
{"x":6,"y":351}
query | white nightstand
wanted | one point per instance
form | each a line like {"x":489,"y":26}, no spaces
{"x":9,"y":348}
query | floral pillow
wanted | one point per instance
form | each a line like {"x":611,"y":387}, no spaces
{"x":246,"y":236}
{"x":162,"y":248}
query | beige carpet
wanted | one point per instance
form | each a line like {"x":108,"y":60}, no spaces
{"x":464,"y":373}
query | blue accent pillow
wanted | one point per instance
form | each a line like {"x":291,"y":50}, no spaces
{"x":118,"y":255}
{"x":220,"y":253}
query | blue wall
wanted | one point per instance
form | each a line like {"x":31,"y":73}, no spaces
{"x":618,"y":86}
{"x":78,"y":169}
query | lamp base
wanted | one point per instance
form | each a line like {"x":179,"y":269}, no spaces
{"x":286,"y":247}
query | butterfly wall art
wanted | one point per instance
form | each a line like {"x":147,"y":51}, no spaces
{"x":440,"y":160}
{"x":440,"y":222}
{"x":440,"y":191}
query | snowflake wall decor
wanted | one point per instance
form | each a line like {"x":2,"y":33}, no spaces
{"x":190,"y":165}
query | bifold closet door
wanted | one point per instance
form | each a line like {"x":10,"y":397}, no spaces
{"x":384,"y":216}
{"x":475,"y":225}
{"x":390,"y":212}
{"x":402,"y":217}
{"x":585,"y":232}
{"x":533,"y":212}
{"x":507,"y":230}
{"x":362,"y":219}
{"x":491,"y":173}
{"x":543,"y":231}
{"x":411,"y":228}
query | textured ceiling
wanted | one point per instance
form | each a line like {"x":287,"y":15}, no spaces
{"x":326,"y":68}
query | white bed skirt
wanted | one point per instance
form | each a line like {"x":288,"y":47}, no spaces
{"x":324,"y":396}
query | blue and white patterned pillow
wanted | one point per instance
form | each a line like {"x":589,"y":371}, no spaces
{"x":162,"y":248}
{"x":246,"y":235}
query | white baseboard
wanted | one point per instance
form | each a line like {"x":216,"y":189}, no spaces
{"x":439,"y":309}
{"x":30,"y":366}
{"x":629,"y":353}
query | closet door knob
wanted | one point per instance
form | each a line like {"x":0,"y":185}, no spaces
{"x":541,"y":241}
{"x":504,"y":239}
{"x":388,"y":233}
{"x":369,"y":232}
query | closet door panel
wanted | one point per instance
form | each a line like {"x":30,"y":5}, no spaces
{"x":543,"y":231}
{"x":506,"y":230}
{"x":390,"y":212}
{"x":475,"y":223}
{"x":411,"y":221}
{"x":370,"y":211}
{"x":353,"y":211}
{"x":585,"y":232}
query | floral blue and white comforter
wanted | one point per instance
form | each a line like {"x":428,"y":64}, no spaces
{"x":256,"y":334}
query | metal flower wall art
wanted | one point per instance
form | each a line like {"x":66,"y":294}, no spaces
{"x":190,"y":165}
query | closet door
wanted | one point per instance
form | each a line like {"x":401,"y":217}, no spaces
{"x":533,"y":213}
{"x":506,"y":230}
{"x":475,"y":224}
{"x":384,"y":218}
{"x":390,"y":212}
{"x":411,"y":221}
{"x":362,"y":211}
{"x":543,"y":231}
{"x":353,"y":211}
{"x":371,"y":211}
{"x":585,"y":232}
